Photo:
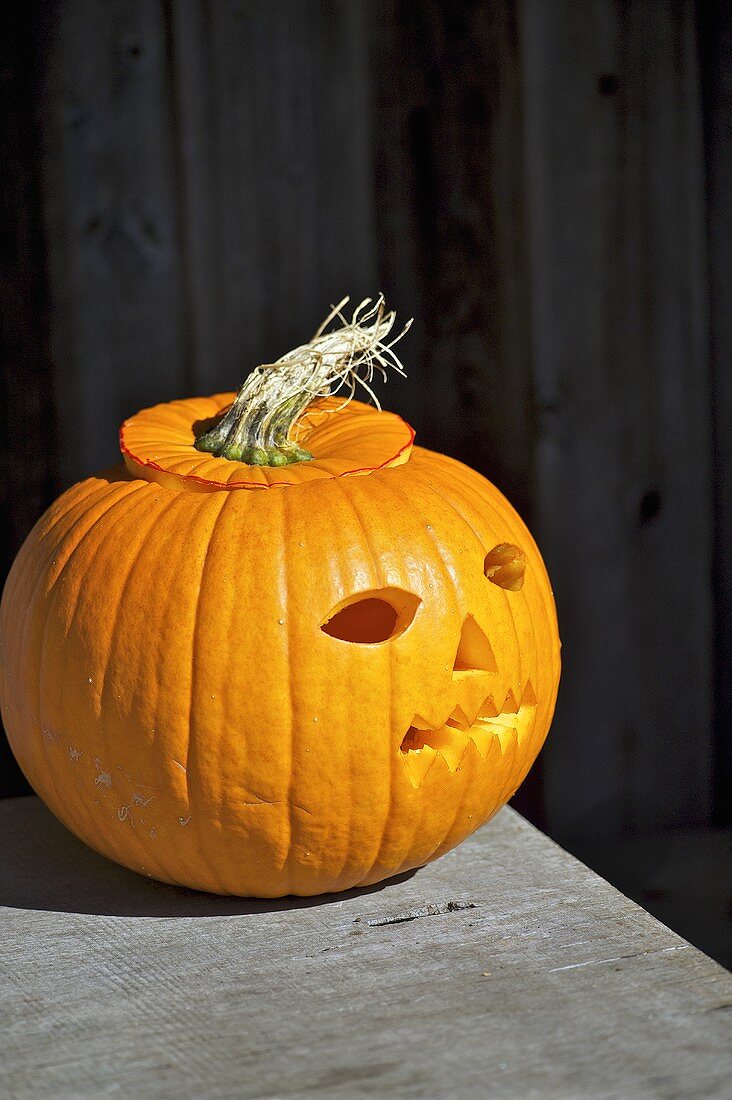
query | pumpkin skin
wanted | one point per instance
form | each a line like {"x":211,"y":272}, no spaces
{"x":178,"y":687}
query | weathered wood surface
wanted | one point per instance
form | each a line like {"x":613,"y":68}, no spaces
{"x":507,"y":969}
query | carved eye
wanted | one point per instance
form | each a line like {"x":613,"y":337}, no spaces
{"x":372,"y":617}
{"x":505,"y":566}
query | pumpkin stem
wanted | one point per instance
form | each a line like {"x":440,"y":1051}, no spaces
{"x":257,"y":428}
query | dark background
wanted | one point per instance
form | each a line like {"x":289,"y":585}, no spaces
{"x":545,"y":186}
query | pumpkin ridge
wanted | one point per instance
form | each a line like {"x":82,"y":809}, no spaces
{"x":191,"y":848}
{"x":26,"y":570}
{"x":393,"y":484}
{"x":75,"y":530}
{"x":73,"y":500}
{"x":195,"y":626}
{"x":77,"y":550}
{"x":348,"y":490}
{"x":459,"y":805}
{"x":289,"y":796}
{"x":137,"y":503}
{"x":494,"y":761}
{"x":151,"y":521}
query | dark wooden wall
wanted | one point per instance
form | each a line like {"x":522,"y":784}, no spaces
{"x":544,"y":185}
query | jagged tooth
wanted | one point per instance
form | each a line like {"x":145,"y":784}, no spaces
{"x":452,"y":749}
{"x":471,"y":689}
{"x":488,"y":708}
{"x":504,"y":733}
{"x":509,"y":761}
{"x":417,"y":763}
{"x":502,"y":709}
{"x":419,"y":746}
{"x":510,"y":703}
{"x":528,"y":695}
{"x":437,"y":774}
{"x":459,"y":718}
{"x":481,"y":735}
{"x":467,"y":748}
{"x":493,"y":760}
{"x":436,"y":719}
{"x":471,"y":754}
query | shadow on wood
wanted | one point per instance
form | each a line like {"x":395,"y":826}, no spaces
{"x":47,"y":868}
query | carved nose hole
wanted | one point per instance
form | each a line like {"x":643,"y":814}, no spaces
{"x":505,"y":566}
{"x":474,"y":653}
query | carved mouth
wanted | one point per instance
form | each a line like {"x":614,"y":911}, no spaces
{"x":420,"y":747}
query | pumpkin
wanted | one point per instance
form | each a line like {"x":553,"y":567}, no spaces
{"x":281,"y":649}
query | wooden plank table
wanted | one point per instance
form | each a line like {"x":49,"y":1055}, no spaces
{"x":507,"y":969}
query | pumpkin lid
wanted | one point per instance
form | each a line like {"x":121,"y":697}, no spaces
{"x":285,"y":426}
{"x":158,"y":444}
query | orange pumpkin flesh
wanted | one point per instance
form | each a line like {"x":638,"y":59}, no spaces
{"x":297,"y":690}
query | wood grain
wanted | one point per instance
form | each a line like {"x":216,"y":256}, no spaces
{"x":28,"y":428}
{"x":716,"y":60}
{"x":275,"y":165}
{"x":505,"y":969}
{"x":450,"y":193}
{"x":623,"y":461}
{"x":110,"y":205}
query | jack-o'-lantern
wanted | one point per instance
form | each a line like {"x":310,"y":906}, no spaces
{"x":280,"y":650}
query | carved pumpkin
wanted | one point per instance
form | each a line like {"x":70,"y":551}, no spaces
{"x":269,"y":679}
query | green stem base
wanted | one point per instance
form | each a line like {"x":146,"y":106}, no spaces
{"x":278,"y":455}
